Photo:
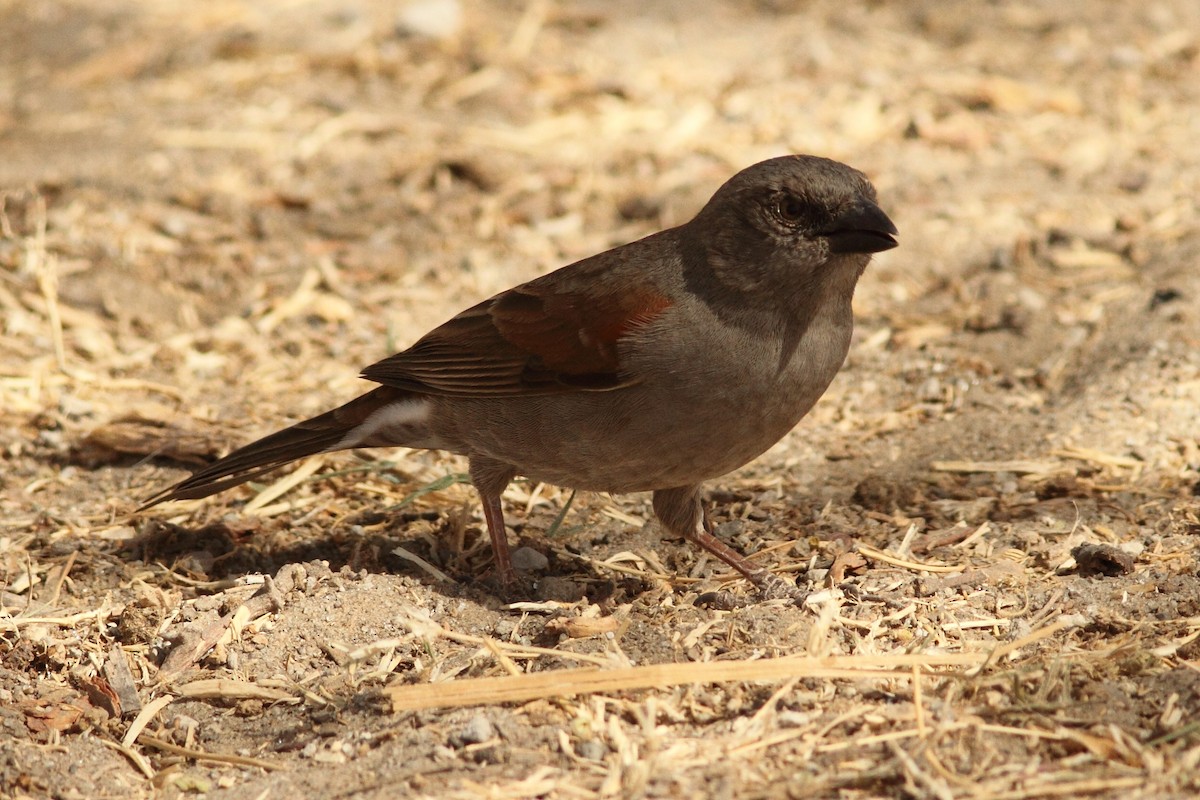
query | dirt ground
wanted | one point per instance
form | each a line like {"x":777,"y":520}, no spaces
{"x":215,"y":213}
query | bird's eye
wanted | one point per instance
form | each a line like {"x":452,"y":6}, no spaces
{"x":788,"y":208}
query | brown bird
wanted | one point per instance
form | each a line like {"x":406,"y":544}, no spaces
{"x":653,"y":366}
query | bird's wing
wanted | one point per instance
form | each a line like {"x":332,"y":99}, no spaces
{"x":549,"y":336}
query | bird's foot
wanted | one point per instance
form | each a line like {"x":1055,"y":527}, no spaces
{"x":511,"y":586}
{"x":770,"y":587}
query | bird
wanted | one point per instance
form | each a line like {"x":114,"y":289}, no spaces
{"x":654,"y":366}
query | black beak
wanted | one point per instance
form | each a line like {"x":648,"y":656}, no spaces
{"x":862,"y":228}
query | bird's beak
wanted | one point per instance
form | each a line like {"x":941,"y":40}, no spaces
{"x":862,"y":228}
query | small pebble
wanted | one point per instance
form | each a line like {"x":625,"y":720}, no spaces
{"x":592,"y":750}
{"x":526,"y":559}
{"x":479,"y":729}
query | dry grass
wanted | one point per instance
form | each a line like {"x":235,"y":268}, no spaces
{"x":213,"y":214}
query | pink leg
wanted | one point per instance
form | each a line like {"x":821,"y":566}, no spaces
{"x":493,"y":514}
{"x":680,"y":511}
{"x":490,"y":477}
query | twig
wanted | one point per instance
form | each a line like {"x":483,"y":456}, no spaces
{"x":200,"y":755}
{"x":563,"y":683}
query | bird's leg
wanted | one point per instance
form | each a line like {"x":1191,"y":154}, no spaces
{"x":490,"y":479}
{"x":493,"y":515}
{"x":681,"y":511}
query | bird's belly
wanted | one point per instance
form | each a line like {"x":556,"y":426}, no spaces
{"x":631,"y":439}
{"x":704,"y":411}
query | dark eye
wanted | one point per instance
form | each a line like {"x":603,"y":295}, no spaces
{"x":788,"y":208}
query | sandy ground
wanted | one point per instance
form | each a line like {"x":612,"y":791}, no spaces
{"x":214,"y":213}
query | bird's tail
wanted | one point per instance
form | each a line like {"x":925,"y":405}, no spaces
{"x":363,"y":422}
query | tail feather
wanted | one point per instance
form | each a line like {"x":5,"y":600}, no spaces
{"x":333,"y":430}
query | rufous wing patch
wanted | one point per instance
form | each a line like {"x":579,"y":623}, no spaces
{"x":524,"y":341}
{"x":574,"y":335}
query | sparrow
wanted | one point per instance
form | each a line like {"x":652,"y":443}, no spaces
{"x":654,"y":366}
